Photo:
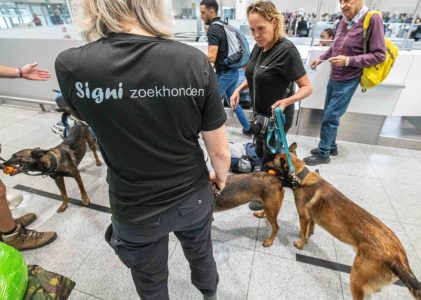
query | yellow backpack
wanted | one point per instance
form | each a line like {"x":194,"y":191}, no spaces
{"x":374,"y":75}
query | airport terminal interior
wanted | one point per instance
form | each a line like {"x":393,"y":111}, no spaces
{"x":378,"y":166}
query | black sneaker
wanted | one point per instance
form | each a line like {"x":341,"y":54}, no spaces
{"x":333,"y":152}
{"x":255,"y":205}
{"x":247,"y":132}
{"x":316,"y":160}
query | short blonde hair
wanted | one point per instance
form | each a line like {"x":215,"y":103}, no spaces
{"x":269,"y":11}
{"x":97,"y":18}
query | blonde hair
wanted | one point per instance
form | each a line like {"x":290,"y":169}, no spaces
{"x":97,"y":18}
{"x":268,"y":10}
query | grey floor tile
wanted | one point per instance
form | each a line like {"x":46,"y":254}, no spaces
{"x":103,"y":275}
{"x":73,"y":244}
{"x":393,"y":169}
{"x":237,"y":227}
{"x":78,"y":295}
{"x":37,"y":138}
{"x":320,"y":244}
{"x":414,"y":235}
{"x":365,"y":192}
{"x":405,"y":198}
{"x":383,"y":150}
{"x":352,"y":160}
{"x":14,"y":131}
{"x":275,"y":278}
{"x":234,"y":273}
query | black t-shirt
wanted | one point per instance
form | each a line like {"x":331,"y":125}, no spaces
{"x":278,"y":66}
{"x":147,"y":99}
{"x":217,"y":37}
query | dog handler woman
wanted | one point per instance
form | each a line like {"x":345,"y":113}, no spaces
{"x":274,"y":65}
{"x":147,"y":98}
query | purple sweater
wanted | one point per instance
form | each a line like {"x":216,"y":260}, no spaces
{"x":350,"y":43}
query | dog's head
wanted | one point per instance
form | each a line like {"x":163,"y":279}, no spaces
{"x":280,"y":163}
{"x":28,"y":159}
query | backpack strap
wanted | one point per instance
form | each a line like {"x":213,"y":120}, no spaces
{"x":366,"y":23}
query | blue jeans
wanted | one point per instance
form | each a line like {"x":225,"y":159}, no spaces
{"x":227,"y":82}
{"x":338,"y":97}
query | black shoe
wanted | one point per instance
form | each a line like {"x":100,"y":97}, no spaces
{"x":247,"y":132}
{"x":316,"y":160}
{"x":255,"y":205}
{"x":333,"y":152}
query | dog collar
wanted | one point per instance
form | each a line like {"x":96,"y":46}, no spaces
{"x":296,"y":180}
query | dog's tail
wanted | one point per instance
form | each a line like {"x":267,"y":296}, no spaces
{"x":407,"y":277}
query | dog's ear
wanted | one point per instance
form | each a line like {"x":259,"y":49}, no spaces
{"x":293,"y":148}
{"x":38,"y":153}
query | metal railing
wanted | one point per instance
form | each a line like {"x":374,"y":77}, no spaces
{"x":40,"y":102}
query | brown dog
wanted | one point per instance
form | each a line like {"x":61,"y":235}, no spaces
{"x":380,"y":258}
{"x":60,"y":161}
{"x":242,"y":188}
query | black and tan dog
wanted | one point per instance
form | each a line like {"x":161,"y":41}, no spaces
{"x":60,"y":161}
{"x":380,"y":258}
{"x":242,"y":188}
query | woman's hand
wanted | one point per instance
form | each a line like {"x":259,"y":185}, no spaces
{"x":235,"y":99}
{"x":339,"y":61}
{"x":217,"y":184}
{"x":282,"y":104}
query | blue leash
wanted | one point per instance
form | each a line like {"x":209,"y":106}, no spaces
{"x":276,"y":128}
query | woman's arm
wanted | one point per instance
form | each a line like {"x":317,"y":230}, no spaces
{"x":305,"y":89}
{"x":235,"y":97}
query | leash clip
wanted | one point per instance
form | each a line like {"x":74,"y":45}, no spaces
{"x":295,"y":180}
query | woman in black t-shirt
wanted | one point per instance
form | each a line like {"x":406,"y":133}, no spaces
{"x":274,"y":64}
{"x":147,"y":98}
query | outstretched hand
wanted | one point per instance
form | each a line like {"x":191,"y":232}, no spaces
{"x":32,"y":72}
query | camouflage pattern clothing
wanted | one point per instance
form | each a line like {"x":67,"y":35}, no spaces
{"x":45,"y":285}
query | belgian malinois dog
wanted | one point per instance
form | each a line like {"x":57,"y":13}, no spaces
{"x":58,"y":162}
{"x":380,"y":258}
{"x":242,"y":188}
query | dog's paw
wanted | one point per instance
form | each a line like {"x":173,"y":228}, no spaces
{"x":62,"y":208}
{"x":98,"y":163}
{"x":299,"y":244}
{"x":259,"y":214}
{"x":86,"y":201}
{"x":267,"y":243}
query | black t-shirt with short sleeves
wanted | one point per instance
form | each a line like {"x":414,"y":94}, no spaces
{"x":218,"y":37}
{"x":147,"y":99}
{"x":278,"y":66}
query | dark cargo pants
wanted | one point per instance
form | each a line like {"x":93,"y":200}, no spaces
{"x":144,"y":247}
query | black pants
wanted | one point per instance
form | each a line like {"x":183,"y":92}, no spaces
{"x":144,"y":247}
{"x":262,"y":150}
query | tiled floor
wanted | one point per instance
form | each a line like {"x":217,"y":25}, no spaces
{"x":385,"y":181}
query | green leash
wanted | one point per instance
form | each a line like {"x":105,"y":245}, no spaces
{"x":276,"y":128}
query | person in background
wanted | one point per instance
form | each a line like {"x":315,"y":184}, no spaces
{"x":36,"y":20}
{"x":347,"y":63}
{"x":217,"y":52}
{"x":326,"y":37}
{"x":154,"y":99}
{"x":56,"y":18}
